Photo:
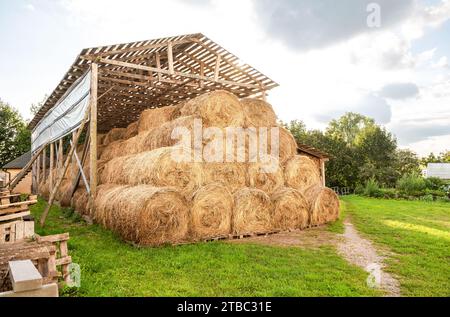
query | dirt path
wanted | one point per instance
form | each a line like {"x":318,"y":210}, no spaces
{"x":350,"y":245}
{"x":361,"y":252}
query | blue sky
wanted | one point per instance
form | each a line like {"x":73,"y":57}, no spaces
{"x":328,"y":60}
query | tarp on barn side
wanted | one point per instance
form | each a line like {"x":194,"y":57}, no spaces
{"x":439,"y":170}
{"x":66,"y":116}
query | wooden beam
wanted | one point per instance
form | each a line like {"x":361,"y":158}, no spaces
{"x":170,"y":58}
{"x":202,"y":73}
{"x":60,"y":153}
{"x":93,"y":134}
{"x":217,"y":68}
{"x":166,"y":72}
{"x":44,"y":164}
{"x":52,"y":163}
{"x":322,"y":165}
{"x":158,"y":64}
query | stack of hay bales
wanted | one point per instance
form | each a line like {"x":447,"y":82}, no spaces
{"x":150,"y":199}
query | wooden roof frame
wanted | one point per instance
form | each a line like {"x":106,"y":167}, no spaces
{"x":136,"y":76}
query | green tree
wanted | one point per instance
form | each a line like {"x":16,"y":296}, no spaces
{"x":348,"y":127}
{"x":407,"y":162}
{"x":14,"y":135}
{"x":35,"y":107}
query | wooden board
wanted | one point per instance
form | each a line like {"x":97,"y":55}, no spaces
{"x":24,"y":276}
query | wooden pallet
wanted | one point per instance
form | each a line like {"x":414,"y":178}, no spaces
{"x":16,"y":231}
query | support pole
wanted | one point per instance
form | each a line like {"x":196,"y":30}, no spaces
{"x":52,"y":162}
{"x":322,"y":165}
{"x":93,"y":134}
{"x":38,"y":172}
{"x":44,"y":164}
{"x":170,"y":58}
{"x":60,"y":154}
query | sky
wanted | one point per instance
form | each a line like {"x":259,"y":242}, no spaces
{"x":328,"y":56}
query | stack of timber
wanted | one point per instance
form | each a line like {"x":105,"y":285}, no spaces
{"x":150,"y":199}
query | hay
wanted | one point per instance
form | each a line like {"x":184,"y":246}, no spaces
{"x":153,"y":168}
{"x":324,"y":205}
{"x":232,"y":175}
{"x":63,"y":193}
{"x":114,"y":135}
{"x":212,"y":208}
{"x":301,"y":173}
{"x":291,"y":209}
{"x":265,"y":176}
{"x":258,"y":113}
{"x":288,"y":146}
{"x":252,"y":211}
{"x":219,"y":109}
{"x":80,"y":201}
{"x":153,"y":118}
{"x":131,"y":131}
{"x":143,"y":214}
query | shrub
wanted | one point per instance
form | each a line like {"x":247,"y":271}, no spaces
{"x":426,"y":198}
{"x":359,"y":189}
{"x":412,"y":184}
{"x":389,"y":193}
{"x":372,"y":189}
{"x":443,"y":199}
{"x":434,"y":183}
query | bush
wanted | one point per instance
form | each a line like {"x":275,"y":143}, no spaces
{"x":389,"y":193}
{"x":359,"y":189}
{"x":443,"y":199}
{"x":434,"y":183}
{"x":426,"y":198}
{"x":372,"y":189}
{"x":412,"y":185}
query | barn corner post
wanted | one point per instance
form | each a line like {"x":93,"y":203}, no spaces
{"x":93,"y":135}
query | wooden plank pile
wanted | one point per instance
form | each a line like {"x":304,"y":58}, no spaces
{"x":16,"y":224}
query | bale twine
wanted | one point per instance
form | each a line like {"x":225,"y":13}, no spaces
{"x":211,"y":212}
{"x":232,"y":175}
{"x":153,"y":118}
{"x":265,"y":176}
{"x":258,"y":113}
{"x":291,"y":209}
{"x":114,"y":135}
{"x":131,"y":131}
{"x":144,"y":214}
{"x":156,"y":168}
{"x":324,"y":205}
{"x":252,"y":211}
{"x":301,"y":173}
{"x":217,"y":109}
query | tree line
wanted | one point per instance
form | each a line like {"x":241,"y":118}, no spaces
{"x":361,"y":150}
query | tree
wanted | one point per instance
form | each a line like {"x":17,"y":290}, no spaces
{"x":14,"y":135}
{"x":348,"y":127}
{"x":407,"y":162}
{"x":35,"y":107}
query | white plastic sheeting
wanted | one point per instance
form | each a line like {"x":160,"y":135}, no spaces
{"x":66,"y":116}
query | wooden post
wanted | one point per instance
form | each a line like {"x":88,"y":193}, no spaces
{"x":44,"y":164}
{"x":217,"y":69}
{"x":74,"y":169}
{"x":93,"y":134}
{"x":202,"y":74}
{"x":158,"y":64}
{"x":38,"y":171}
{"x":52,"y":162}
{"x":170,"y":58}
{"x":60,"y":153}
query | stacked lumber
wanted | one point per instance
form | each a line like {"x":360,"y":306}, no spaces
{"x":151,"y":199}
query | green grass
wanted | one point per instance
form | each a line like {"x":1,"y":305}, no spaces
{"x":418,"y":233}
{"x":111,"y":267}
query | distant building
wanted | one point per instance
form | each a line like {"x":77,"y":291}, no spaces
{"x":438,"y":170}
{"x":14,"y":167}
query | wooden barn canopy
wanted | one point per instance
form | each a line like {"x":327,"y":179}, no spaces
{"x":136,"y":76}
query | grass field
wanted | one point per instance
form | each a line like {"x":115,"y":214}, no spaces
{"x":417,"y":232}
{"x":418,"y":235}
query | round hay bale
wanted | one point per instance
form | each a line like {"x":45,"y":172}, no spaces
{"x":80,"y":201}
{"x":44,"y":190}
{"x":144,"y":214}
{"x":212,"y":208}
{"x":131,"y":131}
{"x":265,"y":176}
{"x":153,"y":118}
{"x":114,"y":135}
{"x":100,"y":139}
{"x":156,"y":168}
{"x":232,"y":175}
{"x":301,"y":173}
{"x":219,"y":109}
{"x":324,"y":205}
{"x":63,"y":193}
{"x":258,"y":113}
{"x":252,"y":211}
{"x":288,"y":146}
{"x":291,"y":209}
